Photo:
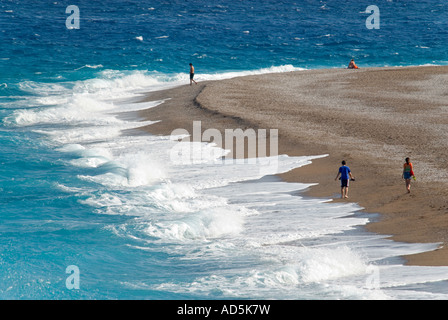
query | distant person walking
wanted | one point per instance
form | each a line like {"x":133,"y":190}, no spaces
{"x":408,"y":172}
{"x":192,"y":74}
{"x":346,"y":175}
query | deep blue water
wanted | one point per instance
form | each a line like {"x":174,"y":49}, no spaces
{"x":56,"y":212}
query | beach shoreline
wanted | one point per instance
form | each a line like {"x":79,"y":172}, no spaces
{"x":373,"y":118}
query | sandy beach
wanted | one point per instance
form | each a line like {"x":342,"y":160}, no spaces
{"x":373,"y":118}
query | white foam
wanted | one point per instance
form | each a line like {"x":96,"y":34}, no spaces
{"x":228,"y":75}
{"x":79,"y":102}
{"x":79,"y":110}
{"x":203,"y":225}
{"x":324,"y":264}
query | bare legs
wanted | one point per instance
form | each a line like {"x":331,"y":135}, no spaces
{"x":344,"y":192}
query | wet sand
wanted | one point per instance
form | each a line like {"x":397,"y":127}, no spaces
{"x":373,"y":118}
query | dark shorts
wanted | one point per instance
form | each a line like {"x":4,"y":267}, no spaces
{"x":191,"y":76}
{"x":344,"y":183}
{"x":407,"y":175}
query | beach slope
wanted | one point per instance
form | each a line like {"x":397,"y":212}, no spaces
{"x":373,"y":118}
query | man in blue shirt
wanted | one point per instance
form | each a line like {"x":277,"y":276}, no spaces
{"x":346,"y":175}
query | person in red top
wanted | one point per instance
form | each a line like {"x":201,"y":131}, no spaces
{"x":408,"y":172}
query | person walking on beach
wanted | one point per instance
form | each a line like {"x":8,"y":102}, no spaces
{"x":192,"y":74}
{"x":408,"y":172}
{"x":346,"y":175}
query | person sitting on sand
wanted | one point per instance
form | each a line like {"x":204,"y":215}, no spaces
{"x":346,"y":175}
{"x":408,"y":172}
{"x":352,"y":65}
{"x":192,"y":74}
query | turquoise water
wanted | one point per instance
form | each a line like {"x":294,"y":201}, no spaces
{"x":75,"y":192}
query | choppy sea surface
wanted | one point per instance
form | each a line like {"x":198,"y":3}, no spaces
{"x":87,"y":212}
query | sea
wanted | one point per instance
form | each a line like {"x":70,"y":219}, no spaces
{"x":91,"y":212}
